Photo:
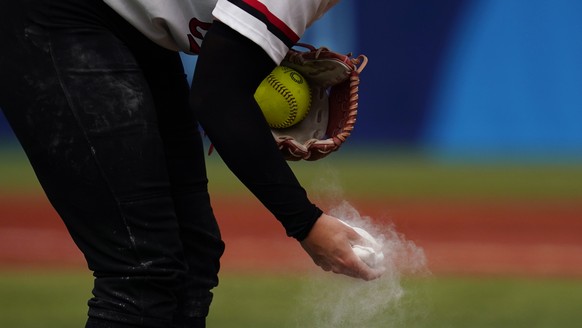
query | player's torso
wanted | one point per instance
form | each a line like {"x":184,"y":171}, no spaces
{"x":176,"y":25}
{"x":181,"y":25}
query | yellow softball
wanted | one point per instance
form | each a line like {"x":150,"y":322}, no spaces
{"x":284,"y":97}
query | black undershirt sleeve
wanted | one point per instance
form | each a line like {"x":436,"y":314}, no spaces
{"x":228,"y":71}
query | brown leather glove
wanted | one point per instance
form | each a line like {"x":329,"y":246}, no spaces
{"x":334,"y":79}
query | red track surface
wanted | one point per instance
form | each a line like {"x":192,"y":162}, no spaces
{"x":537,"y":238}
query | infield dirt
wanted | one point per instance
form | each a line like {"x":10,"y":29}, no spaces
{"x":479,"y":237}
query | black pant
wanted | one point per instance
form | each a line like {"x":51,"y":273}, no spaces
{"x":103,"y":116}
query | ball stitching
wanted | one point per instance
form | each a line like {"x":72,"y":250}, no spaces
{"x":288,"y":96}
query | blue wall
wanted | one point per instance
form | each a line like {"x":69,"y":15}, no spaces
{"x":462,"y":77}
{"x":405,"y":42}
{"x":511,"y":81}
{"x":5,"y":131}
{"x":474,"y":78}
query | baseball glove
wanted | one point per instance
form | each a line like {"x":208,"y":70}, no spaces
{"x":334,"y":79}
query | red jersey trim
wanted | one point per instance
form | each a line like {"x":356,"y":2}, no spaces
{"x":273,"y":23}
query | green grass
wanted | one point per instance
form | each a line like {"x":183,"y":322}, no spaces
{"x":397,"y":175}
{"x":429,"y":302}
{"x":498,"y":302}
{"x":371,"y":175}
{"x":33,"y":299}
{"x":58,"y":299}
{"x":16,"y":175}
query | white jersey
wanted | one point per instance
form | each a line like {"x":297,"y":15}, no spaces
{"x":180,"y":25}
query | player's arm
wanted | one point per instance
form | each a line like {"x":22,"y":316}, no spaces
{"x":228,"y":71}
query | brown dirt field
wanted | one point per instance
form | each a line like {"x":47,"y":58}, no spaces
{"x":479,"y":237}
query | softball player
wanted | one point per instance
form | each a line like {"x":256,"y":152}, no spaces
{"x":96,"y":94}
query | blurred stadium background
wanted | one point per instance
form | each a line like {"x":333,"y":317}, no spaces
{"x":463,"y":78}
{"x":470,"y":110}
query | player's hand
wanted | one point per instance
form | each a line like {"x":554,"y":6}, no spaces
{"x":329,"y":245}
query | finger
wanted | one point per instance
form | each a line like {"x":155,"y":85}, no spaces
{"x":326,"y":267}
{"x":322,"y":263}
{"x":356,"y":268}
{"x":366,"y":273}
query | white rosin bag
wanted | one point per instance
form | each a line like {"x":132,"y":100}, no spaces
{"x":372,"y":253}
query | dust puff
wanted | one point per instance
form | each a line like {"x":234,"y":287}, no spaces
{"x":338,"y":301}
